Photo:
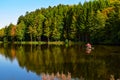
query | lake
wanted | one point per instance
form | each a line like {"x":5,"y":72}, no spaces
{"x":58,"y":62}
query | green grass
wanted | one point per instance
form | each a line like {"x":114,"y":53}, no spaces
{"x":40,"y":42}
{"x":1,"y":42}
{"x":56,"y":42}
{"x":43,"y":42}
{"x":29,"y":42}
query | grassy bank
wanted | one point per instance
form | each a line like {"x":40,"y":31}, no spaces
{"x":36,"y":42}
{"x":29,"y":42}
{"x":43,"y":42}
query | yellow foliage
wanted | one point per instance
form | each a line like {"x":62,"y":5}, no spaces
{"x":2,"y":33}
{"x":112,"y":1}
{"x":106,"y":11}
{"x":13,"y":31}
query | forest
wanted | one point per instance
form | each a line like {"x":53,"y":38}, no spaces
{"x":95,"y":21}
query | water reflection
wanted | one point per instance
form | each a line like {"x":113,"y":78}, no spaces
{"x":56,"y":76}
{"x":88,"y":50}
{"x":56,"y":61}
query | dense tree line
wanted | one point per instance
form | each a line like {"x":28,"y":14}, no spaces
{"x":95,"y":21}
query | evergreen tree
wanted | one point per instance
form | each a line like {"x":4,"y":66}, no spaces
{"x":20,"y":31}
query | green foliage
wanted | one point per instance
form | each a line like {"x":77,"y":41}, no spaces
{"x":2,"y":34}
{"x":39,"y":25}
{"x":20,"y":31}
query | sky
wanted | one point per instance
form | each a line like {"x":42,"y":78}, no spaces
{"x":10,"y":10}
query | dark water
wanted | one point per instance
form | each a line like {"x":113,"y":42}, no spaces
{"x":35,"y":62}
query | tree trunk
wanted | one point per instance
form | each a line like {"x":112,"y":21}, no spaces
{"x":31,"y":37}
{"x":48,"y":39}
{"x":39,"y":38}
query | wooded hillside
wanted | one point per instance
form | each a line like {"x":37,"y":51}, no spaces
{"x":96,"y":21}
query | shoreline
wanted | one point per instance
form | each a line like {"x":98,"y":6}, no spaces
{"x":56,"y":43}
{"x":43,"y":42}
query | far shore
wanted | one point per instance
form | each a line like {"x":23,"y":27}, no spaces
{"x":43,"y":42}
{"x":55,"y":43}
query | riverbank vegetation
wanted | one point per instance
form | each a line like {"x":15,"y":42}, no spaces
{"x":96,"y":21}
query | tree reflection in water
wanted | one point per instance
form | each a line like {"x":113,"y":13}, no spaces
{"x":56,"y":76}
{"x":56,"y":61}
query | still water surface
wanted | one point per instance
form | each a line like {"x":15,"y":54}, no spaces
{"x":40,"y":62}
